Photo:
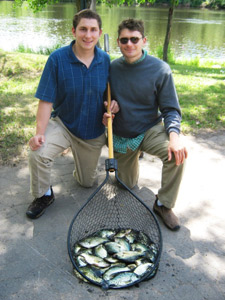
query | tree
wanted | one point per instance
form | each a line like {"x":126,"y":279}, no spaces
{"x":38,"y":5}
{"x":173,"y":3}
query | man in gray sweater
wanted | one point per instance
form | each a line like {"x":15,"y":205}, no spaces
{"x":149,"y":117}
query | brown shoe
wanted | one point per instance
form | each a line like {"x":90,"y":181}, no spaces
{"x":167,"y":215}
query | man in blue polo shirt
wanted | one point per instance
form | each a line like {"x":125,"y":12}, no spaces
{"x":70,"y":110}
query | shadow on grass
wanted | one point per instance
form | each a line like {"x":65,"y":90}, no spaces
{"x":215,"y":73}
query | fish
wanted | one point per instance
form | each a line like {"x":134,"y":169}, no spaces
{"x":139,"y":247}
{"x":122,"y":233}
{"x":112,"y":272}
{"x":106,"y":233}
{"x":111,"y":259}
{"x":131,"y":237}
{"x":115,"y":257}
{"x":77,"y":248}
{"x":143,"y":238}
{"x":95,"y":260}
{"x":91,"y":242}
{"x":123,"y":279}
{"x":128,"y":256}
{"x":113,"y":247}
{"x":154,"y":249}
{"x":91,"y":274}
{"x":80,"y":261}
{"x":100,"y":251}
{"x":123,"y":243}
{"x":79,"y":276}
{"x":150,"y":255}
{"x":143,"y":268}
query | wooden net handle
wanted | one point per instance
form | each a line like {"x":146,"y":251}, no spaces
{"x":110,"y":136}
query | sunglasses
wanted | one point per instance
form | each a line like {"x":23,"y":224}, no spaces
{"x":133,"y":39}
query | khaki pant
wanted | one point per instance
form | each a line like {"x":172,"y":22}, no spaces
{"x":58,"y":138}
{"x":155,"y":143}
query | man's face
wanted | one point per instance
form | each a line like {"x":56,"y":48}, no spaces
{"x":87,"y":33}
{"x":130,"y":50}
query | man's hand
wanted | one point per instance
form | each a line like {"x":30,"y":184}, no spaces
{"x":42,"y":118}
{"x":114,"y":108}
{"x":36,"y":142}
{"x":176,"y":147}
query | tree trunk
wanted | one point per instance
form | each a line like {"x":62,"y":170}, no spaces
{"x":93,"y":5}
{"x":82,"y":4}
{"x":168,"y":32}
{"x":78,"y":4}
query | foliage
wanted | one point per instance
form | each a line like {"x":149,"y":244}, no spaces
{"x":36,"y":5}
{"x":45,"y":51}
{"x":170,"y":55}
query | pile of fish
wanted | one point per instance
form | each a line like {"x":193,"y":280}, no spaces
{"x":115,"y":258}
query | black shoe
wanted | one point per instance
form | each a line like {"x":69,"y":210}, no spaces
{"x":39,"y":205}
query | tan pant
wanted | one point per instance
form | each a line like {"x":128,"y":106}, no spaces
{"x":58,"y":138}
{"x":155,"y":143}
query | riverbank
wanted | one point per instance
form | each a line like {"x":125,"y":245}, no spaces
{"x":201,"y":90}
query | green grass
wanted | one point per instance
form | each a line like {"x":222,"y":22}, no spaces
{"x":201,"y":92}
{"x":200,"y":87}
{"x":19,"y":77}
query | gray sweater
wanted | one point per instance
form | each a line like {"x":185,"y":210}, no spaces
{"x":146,"y":94}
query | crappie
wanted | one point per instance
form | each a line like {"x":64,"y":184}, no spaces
{"x":77,"y":248}
{"x":123,"y":279}
{"x":80,"y":261}
{"x":129,"y":256}
{"x":112,"y":272}
{"x":100,"y":251}
{"x":91,"y":274}
{"x":144,"y":239}
{"x":153,"y":248}
{"x":95,"y":260}
{"x":111,"y":260}
{"x":91,"y":242}
{"x":106,"y":233}
{"x":123,"y":243}
{"x":113,"y":247}
{"x":131,"y":237}
{"x":139,"y":247}
{"x":142,"y":269}
{"x":79,"y":276}
{"x":150,"y":255}
{"x":123,"y":233}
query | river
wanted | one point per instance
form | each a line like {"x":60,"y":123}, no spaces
{"x":195,"y":32}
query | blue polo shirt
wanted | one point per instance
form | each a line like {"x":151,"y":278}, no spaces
{"x":75,"y":90}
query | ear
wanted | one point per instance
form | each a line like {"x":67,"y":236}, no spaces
{"x":118,"y":42}
{"x":100,"y":32}
{"x":144,"y":40}
{"x":74,"y":31}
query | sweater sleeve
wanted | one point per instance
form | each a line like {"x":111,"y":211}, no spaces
{"x":168,"y":102}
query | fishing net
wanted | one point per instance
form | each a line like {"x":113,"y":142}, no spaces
{"x":114,"y":206}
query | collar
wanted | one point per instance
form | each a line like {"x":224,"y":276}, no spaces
{"x":73,"y":59}
{"x":144,"y":54}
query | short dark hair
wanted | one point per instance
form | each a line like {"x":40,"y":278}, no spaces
{"x":86,"y":14}
{"x":133,"y":25}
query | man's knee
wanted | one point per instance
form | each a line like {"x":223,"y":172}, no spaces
{"x":84,"y":181}
{"x":36,"y":158}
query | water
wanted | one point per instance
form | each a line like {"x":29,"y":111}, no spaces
{"x":194,"y":32}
